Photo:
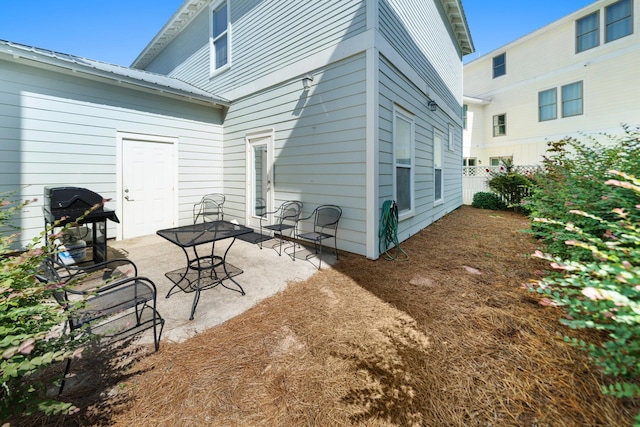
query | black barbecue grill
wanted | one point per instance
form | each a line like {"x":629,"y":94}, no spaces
{"x":67,"y":205}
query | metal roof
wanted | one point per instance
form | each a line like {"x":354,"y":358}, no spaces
{"x":138,"y":78}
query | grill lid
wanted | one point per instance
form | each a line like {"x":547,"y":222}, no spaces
{"x":72,"y":202}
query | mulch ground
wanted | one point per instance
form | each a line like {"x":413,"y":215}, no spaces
{"x":449,"y":337}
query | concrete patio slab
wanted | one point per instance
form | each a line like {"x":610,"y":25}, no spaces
{"x":265,"y":274}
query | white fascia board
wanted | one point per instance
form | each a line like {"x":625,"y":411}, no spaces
{"x":476,"y":101}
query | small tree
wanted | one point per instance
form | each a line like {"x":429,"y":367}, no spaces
{"x":30,"y":325}
{"x":511,"y":186}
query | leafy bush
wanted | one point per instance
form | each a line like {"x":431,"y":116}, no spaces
{"x":575,"y":178}
{"x":30,"y":338}
{"x":486,"y":200}
{"x":510,"y":185}
{"x":603,"y":293}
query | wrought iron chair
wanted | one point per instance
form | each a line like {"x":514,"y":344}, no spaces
{"x":112,"y":305}
{"x":325,"y":226}
{"x":210,"y":208}
{"x":285,"y":218}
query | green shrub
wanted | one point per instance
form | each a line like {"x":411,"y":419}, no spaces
{"x":486,"y":200}
{"x":603,"y":293}
{"x":29,"y":319}
{"x":511,"y":186}
{"x":574,"y":179}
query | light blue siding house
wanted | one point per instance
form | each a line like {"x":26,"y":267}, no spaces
{"x":348,"y":102}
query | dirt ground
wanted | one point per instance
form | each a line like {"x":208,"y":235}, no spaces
{"x":449,"y":337}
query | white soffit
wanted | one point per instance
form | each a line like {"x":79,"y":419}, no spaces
{"x":185,"y":14}
{"x":458,"y":20}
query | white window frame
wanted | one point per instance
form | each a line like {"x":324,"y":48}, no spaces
{"x":401,"y":114}
{"x":438,"y":165}
{"x":215,"y":6}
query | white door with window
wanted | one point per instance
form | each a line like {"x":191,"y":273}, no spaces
{"x":148,"y":201}
{"x":259,"y":176}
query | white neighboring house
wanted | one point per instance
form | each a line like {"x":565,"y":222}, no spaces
{"x":348,"y":102}
{"x":575,"y":76}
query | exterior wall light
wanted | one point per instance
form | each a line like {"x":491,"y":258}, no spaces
{"x":432,"y":105}
{"x":306,"y":81}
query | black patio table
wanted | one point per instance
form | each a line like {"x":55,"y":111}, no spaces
{"x":203,"y":271}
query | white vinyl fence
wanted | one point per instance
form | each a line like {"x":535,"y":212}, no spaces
{"x":474,"y":178}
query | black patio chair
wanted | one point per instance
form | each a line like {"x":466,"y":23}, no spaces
{"x":107,"y":302}
{"x":285,"y":218}
{"x":209,"y":208}
{"x":325,"y":226}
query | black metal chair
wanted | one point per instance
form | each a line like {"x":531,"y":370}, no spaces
{"x":325,"y":226}
{"x":111,"y":302}
{"x":285,"y":218}
{"x":209,"y":208}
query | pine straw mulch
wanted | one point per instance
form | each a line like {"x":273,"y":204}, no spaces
{"x":447,"y":338}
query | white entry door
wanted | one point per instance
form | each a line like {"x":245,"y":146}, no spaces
{"x":259,"y":177}
{"x":148,"y":202}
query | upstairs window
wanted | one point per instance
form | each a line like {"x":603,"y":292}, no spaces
{"x":547,"y":101}
{"x":618,"y":20}
{"x":499,"y":125}
{"x":572,"y":99}
{"x":587,"y":32}
{"x":499,"y":65}
{"x":220,"y":39}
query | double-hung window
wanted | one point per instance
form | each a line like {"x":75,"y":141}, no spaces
{"x":572,"y":99}
{"x":547,"y":100}
{"x":438,"y":176}
{"x":499,"y":125}
{"x":499,"y":65}
{"x":618,"y":20}
{"x":220,"y":40}
{"x":403,"y":147}
{"x":588,"y":32}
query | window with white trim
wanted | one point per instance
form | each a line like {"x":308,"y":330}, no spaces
{"x":438,"y":174}
{"x":403,"y":157}
{"x":220,"y":38}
